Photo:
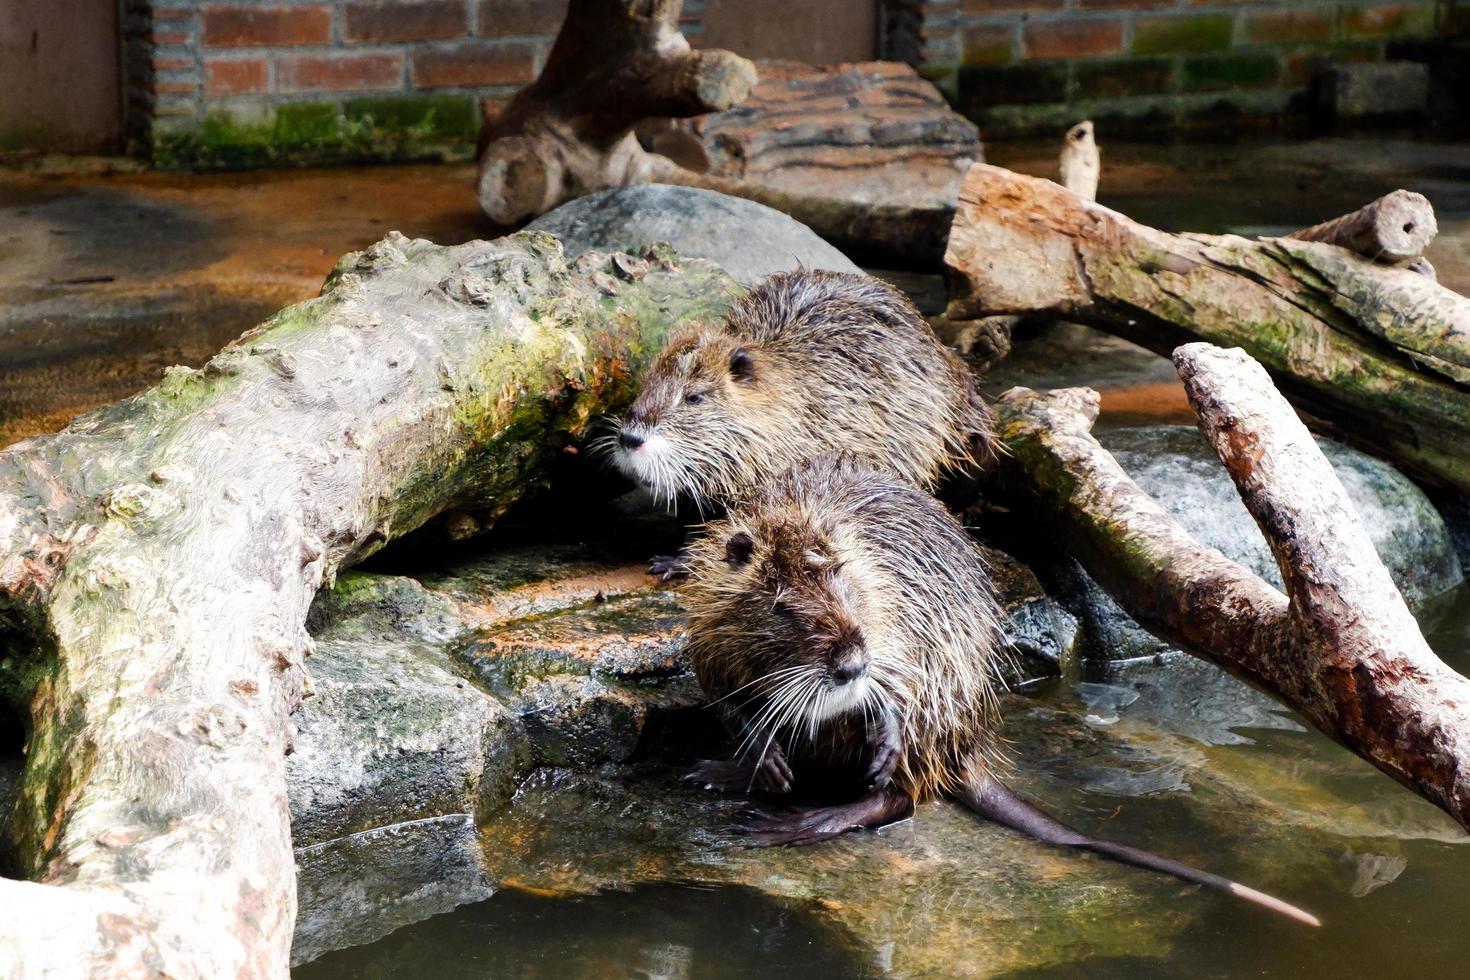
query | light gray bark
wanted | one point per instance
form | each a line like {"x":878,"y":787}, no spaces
{"x":158,"y":556}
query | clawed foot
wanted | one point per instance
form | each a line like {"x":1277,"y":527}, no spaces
{"x":772,"y":775}
{"x":669,"y":568}
{"x":823,"y":823}
{"x":886,"y":747}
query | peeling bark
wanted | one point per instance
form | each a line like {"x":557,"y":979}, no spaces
{"x":158,"y":556}
{"x":1340,"y":647}
{"x":1380,"y":352}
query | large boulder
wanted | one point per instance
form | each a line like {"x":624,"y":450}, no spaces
{"x":1176,"y":466}
{"x":748,"y":240}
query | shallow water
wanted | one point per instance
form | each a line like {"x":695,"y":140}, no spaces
{"x":1174,"y":755}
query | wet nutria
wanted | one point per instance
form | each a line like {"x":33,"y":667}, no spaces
{"x":844,"y":623}
{"x":808,"y":362}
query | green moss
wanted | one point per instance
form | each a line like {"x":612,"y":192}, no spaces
{"x":409,"y":127}
{"x":1169,"y":35}
{"x":1112,"y":79}
{"x":1231,"y":72}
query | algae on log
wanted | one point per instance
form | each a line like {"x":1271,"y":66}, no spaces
{"x":1381,"y":353}
{"x":158,"y":556}
{"x":1341,"y":647}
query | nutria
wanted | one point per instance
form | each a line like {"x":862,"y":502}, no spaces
{"x":844,"y":623}
{"x":809,"y":361}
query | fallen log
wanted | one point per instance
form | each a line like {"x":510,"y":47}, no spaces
{"x":1340,"y":647}
{"x":1379,"y":352}
{"x":1395,"y":229}
{"x":617,"y":63}
{"x":157,"y":558}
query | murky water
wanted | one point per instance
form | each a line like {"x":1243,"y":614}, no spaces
{"x":1179,"y":756}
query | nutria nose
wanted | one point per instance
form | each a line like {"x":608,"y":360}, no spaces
{"x":628,"y":440}
{"x":848,"y":672}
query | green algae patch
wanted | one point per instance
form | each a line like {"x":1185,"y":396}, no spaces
{"x":428,"y":127}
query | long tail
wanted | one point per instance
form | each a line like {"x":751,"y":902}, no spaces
{"x":994,"y":800}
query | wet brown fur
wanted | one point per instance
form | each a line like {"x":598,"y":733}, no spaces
{"x":809,"y":362}
{"x":843,"y":553}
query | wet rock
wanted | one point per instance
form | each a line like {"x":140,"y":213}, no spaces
{"x":1176,"y":466}
{"x":748,"y":240}
{"x":1042,"y":633}
{"x":359,"y":888}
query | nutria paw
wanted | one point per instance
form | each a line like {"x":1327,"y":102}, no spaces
{"x":773,"y":775}
{"x":669,"y":568}
{"x":886,"y":746}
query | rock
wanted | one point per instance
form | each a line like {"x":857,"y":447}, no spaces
{"x":748,"y":240}
{"x":1042,"y":633}
{"x":355,"y":889}
{"x":1176,"y":466}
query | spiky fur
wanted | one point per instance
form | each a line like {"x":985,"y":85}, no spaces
{"x":831,"y":361}
{"x":844,"y":552}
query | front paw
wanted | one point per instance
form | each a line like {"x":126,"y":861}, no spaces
{"x":669,"y":568}
{"x":886,"y":749}
{"x":773,"y":775}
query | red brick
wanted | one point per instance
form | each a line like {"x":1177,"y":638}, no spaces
{"x":472,"y":63}
{"x":503,"y":18}
{"x":173,"y":88}
{"x":1386,"y":19}
{"x":1280,"y":26}
{"x":988,"y":44}
{"x":416,"y":20}
{"x":1002,"y":6}
{"x":1072,"y":38}
{"x":164,"y":39}
{"x":273,"y":27}
{"x":173,"y":13}
{"x":338,"y":72}
{"x":172,"y":64}
{"x":245,"y":77}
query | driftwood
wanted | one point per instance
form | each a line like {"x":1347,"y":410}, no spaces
{"x":871,"y":131}
{"x":1080,"y":162}
{"x":157,"y":559}
{"x":1379,"y":352}
{"x":1395,"y":229}
{"x":1340,"y":647}
{"x":618,"y":62}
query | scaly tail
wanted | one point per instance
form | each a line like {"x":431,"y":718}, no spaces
{"x":993,"y":800}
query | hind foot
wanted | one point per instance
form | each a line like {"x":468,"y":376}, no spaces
{"x":877,"y":809}
{"x":771,"y":775}
{"x":669,"y":568}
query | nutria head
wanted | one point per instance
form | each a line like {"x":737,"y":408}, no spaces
{"x":808,"y":362}
{"x":776,"y":601}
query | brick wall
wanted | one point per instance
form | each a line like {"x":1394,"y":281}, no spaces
{"x":1015,"y":65}
{"x":258,"y":81}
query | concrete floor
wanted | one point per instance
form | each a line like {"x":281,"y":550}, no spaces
{"x":108,"y":278}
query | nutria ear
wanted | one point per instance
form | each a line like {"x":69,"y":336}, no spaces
{"x":739,"y":548}
{"x":742,"y":365}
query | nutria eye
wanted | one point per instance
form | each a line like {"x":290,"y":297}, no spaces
{"x":694,"y":399}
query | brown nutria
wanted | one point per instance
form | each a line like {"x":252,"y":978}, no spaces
{"x":844,"y":623}
{"x":809,"y":361}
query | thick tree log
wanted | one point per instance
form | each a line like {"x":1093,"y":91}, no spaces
{"x":1342,"y":650}
{"x":157,"y":559}
{"x":616,"y":62}
{"x":1382,"y":353}
{"x":1395,"y":229}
